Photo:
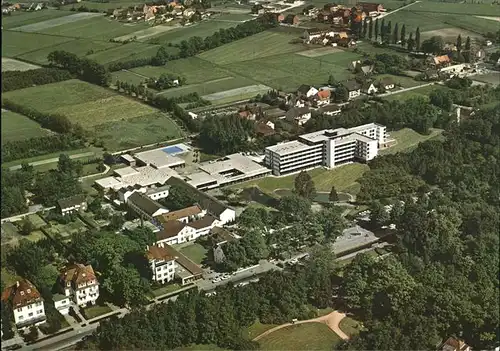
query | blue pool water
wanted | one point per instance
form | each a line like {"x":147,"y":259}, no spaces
{"x":171,"y":150}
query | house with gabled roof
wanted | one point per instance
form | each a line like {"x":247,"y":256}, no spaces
{"x":322,"y":97}
{"x":185,"y":215}
{"x":80,"y":283}
{"x":144,"y":206}
{"x":353,"y":88}
{"x":386,"y":83}
{"x":454,"y":344}
{"x":299,"y":115}
{"x":441,"y":61}
{"x":330,"y":110}
{"x":26,"y":303}
{"x":162,"y":264}
{"x":369,"y":88}
{"x":307,"y":90}
{"x":72,"y":204}
{"x":291,"y":19}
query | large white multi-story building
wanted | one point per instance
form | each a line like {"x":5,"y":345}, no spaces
{"x":26,"y":302}
{"x":79,"y":282}
{"x":328,"y":148}
{"x":162,"y":264}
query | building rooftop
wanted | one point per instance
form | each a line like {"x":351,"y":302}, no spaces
{"x":159,"y":253}
{"x":185,"y":262}
{"x":126,"y":172}
{"x":158,"y":158}
{"x":200,"y":178}
{"x":288,"y":147}
{"x":146,"y":204}
{"x":127,"y":158}
{"x":22,"y":293}
{"x":204,"y":222}
{"x":176,"y":215}
{"x":77,"y":274}
{"x":71,"y":201}
{"x":144,"y":176}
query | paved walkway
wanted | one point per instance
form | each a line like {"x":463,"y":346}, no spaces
{"x":332,"y":320}
{"x":396,"y":10}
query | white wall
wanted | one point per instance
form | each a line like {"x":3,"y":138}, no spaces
{"x":62,"y":306}
{"x":163,"y":272}
{"x":229,"y":215}
{"x":30,"y":312}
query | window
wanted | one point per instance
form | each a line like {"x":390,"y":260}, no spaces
{"x":21,"y":318}
{"x":19,"y":309}
{"x":30,"y":314}
{"x":30,"y":307}
{"x":40,"y":312}
{"x":38,"y":303}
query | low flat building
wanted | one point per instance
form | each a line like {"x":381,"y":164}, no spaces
{"x":159,"y":158}
{"x":26,"y":303}
{"x":328,"y":148}
{"x":162,"y":264}
{"x":186,"y":270}
{"x":80,"y":283}
{"x":62,"y":303}
{"x":72,"y":204}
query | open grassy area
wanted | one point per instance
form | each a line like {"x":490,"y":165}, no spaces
{"x":18,"y":127}
{"x":18,"y":43}
{"x":350,"y":326}
{"x":9,"y":278}
{"x":260,"y":45}
{"x":405,"y":82}
{"x":101,"y":6}
{"x":79,"y":47}
{"x":308,"y":336}
{"x":165,"y":289}
{"x":202,"y":29}
{"x":464,"y":8}
{"x":95,"y":311}
{"x":138,"y":131}
{"x":125,"y":52}
{"x":55,"y":155}
{"x":83,"y":103}
{"x":258,"y":328}
{"x":422,"y":92}
{"x":195,"y":252}
{"x":407,"y":139}
{"x":22,"y":18}
{"x":341,"y":177}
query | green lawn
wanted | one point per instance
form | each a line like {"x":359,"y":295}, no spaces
{"x":257,"y":328}
{"x":9,"y":278}
{"x":405,"y":82}
{"x":36,"y":221}
{"x":257,"y":46}
{"x":22,"y":18}
{"x":195,"y":252}
{"x":412,"y":20}
{"x":307,"y":336}
{"x":95,"y":311}
{"x":79,"y":47}
{"x":202,"y":29}
{"x":341,"y":177}
{"x":407,"y":139}
{"x":18,"y":43}
{"x":465,"y":8}
{"x":350,"y":326}
{"x":169,"y":288}
{"x":422,"y":92}
{"x":18,"y":127}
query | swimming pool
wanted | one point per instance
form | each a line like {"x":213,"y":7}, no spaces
{"x":172,"y":150}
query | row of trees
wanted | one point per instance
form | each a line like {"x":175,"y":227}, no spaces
{"x":84,"y":68}
{"x":195,"y":318}
{"x":13,"y":80}
{"x":447,"y":237}
{"x":165,"y":81}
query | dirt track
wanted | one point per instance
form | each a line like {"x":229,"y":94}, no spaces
{"x":332,"y":320}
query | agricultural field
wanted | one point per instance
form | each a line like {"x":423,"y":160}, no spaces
{"x":421,"y":92}
{"x":79,"y":47}
{"x":257,"y":46}
{"x":18,"y":127}
{"x":56,"y":22}
{"x":407,"y":140}
{"x":16,"y":65}
{"x":456,"y":8}
{"x":18,"y":19}
{"x":102,"y":6}
{"x":307,"y":336}
{"x":202,"y":29}
{"x":18,"y":43}
{"x":492,"y":78}
{"x":125,"y":52}
{"x":405,"y":82}
{"x":143,"y":34}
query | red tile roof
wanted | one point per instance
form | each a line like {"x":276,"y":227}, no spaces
{"x":21,"y":294}
{"x":182,"y":213}
{"x":170,"y":229}
{"x":324,"y":94}
{"x":441,"y":59}
{"x":159,"y":253}
{"x":78,"y":274}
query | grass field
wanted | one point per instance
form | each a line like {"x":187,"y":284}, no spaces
{"x":18,"y":18}
{"x":79,"y":47}
{"x":254,"y":47}
{"x":307,"y":336}
{"x":102,"y":6}
{"x":341,"y":177}
{"x":81,"y":102}
{"x":18,"y":127}
{"x":165,"y":289}
{"x":125,"y":52}
{"x":9,"y":64}
{"x":18,"y":43}
{"x":491,"y":78}
{"x":95,"y":311}
{"x":133,"y":132}
{"x":202,"y":29}
{"x":195,"y":252}
{"x":258,"y":328}
{"x":350,"y":326}
{"x":422,"y":92}
{"x":456,"y":8}
{"x":407,"y":139}
{"x":405,"y":82}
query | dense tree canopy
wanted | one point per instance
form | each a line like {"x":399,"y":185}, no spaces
{"x":225,"y":134}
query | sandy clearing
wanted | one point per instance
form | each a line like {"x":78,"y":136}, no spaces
{"x":9,"y":64}
{"x":319,"y":52}
{"x":148,"y":32}
{"x":489,"y":18}
{"x":235,"y":92}
{"x":39,"y":26}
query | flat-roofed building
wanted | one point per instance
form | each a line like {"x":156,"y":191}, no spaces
{"x":328,"y":148}
{"x":145,"y":176}
{"x":159,"y":158}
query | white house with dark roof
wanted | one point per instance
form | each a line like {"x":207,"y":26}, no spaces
{"x":177,"y":232}
{"x":26,"y":303}
{"x":72,"y":204}
{"x":353,"y":88}
{"x":80,"y":283}
{"x":299,"y":115}
{"x":144,"y":206}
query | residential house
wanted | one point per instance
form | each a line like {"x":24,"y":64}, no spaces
{"x":354,"y":64}
{"x":312,"y":34}
{"x":307,"y":91}
{"x":454,"y":344}
{"x":331,"y":7}
{"x":353,"y":88}
{"x":325,"y":16}
{"x":187,"y":13}
{"x":223,"y":213}
{"x":80,"y":283}
{"x":456,"y":70}
{"x":174,"y":232}
{"x":247,"y":115}
{"x":480,"y":55}
{"x":62,"y":303}
{"x":369,"y":88}
{"x":72,"y":204}
{"x":292,"y":19}
{"x":330,"y":110}
{"x":26,"y":303}
{"x":367,"y":70}
{"x":193,"y":115}
{"x":162,"y":264}
{"x":299,"y":115}
{"x":265,"y":129}
{"x":280,"y":17}
{"x":275,"y":113}
{"x":144,"y":206}
{"x":371,"y":8}
{"x":322,"y":97}
{"x":184,"y":215}
{"x":440,"y":61}
{"x":186,"y":270}
{"x":386,"y":84}
{"x":345,"y":42}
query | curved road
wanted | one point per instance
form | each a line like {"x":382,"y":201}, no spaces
{"x":332,"y":320}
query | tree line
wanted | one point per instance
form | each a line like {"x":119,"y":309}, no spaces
{"x":13,"y":80}
{"x":84,"y":68}
{"x":447,"y":237}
